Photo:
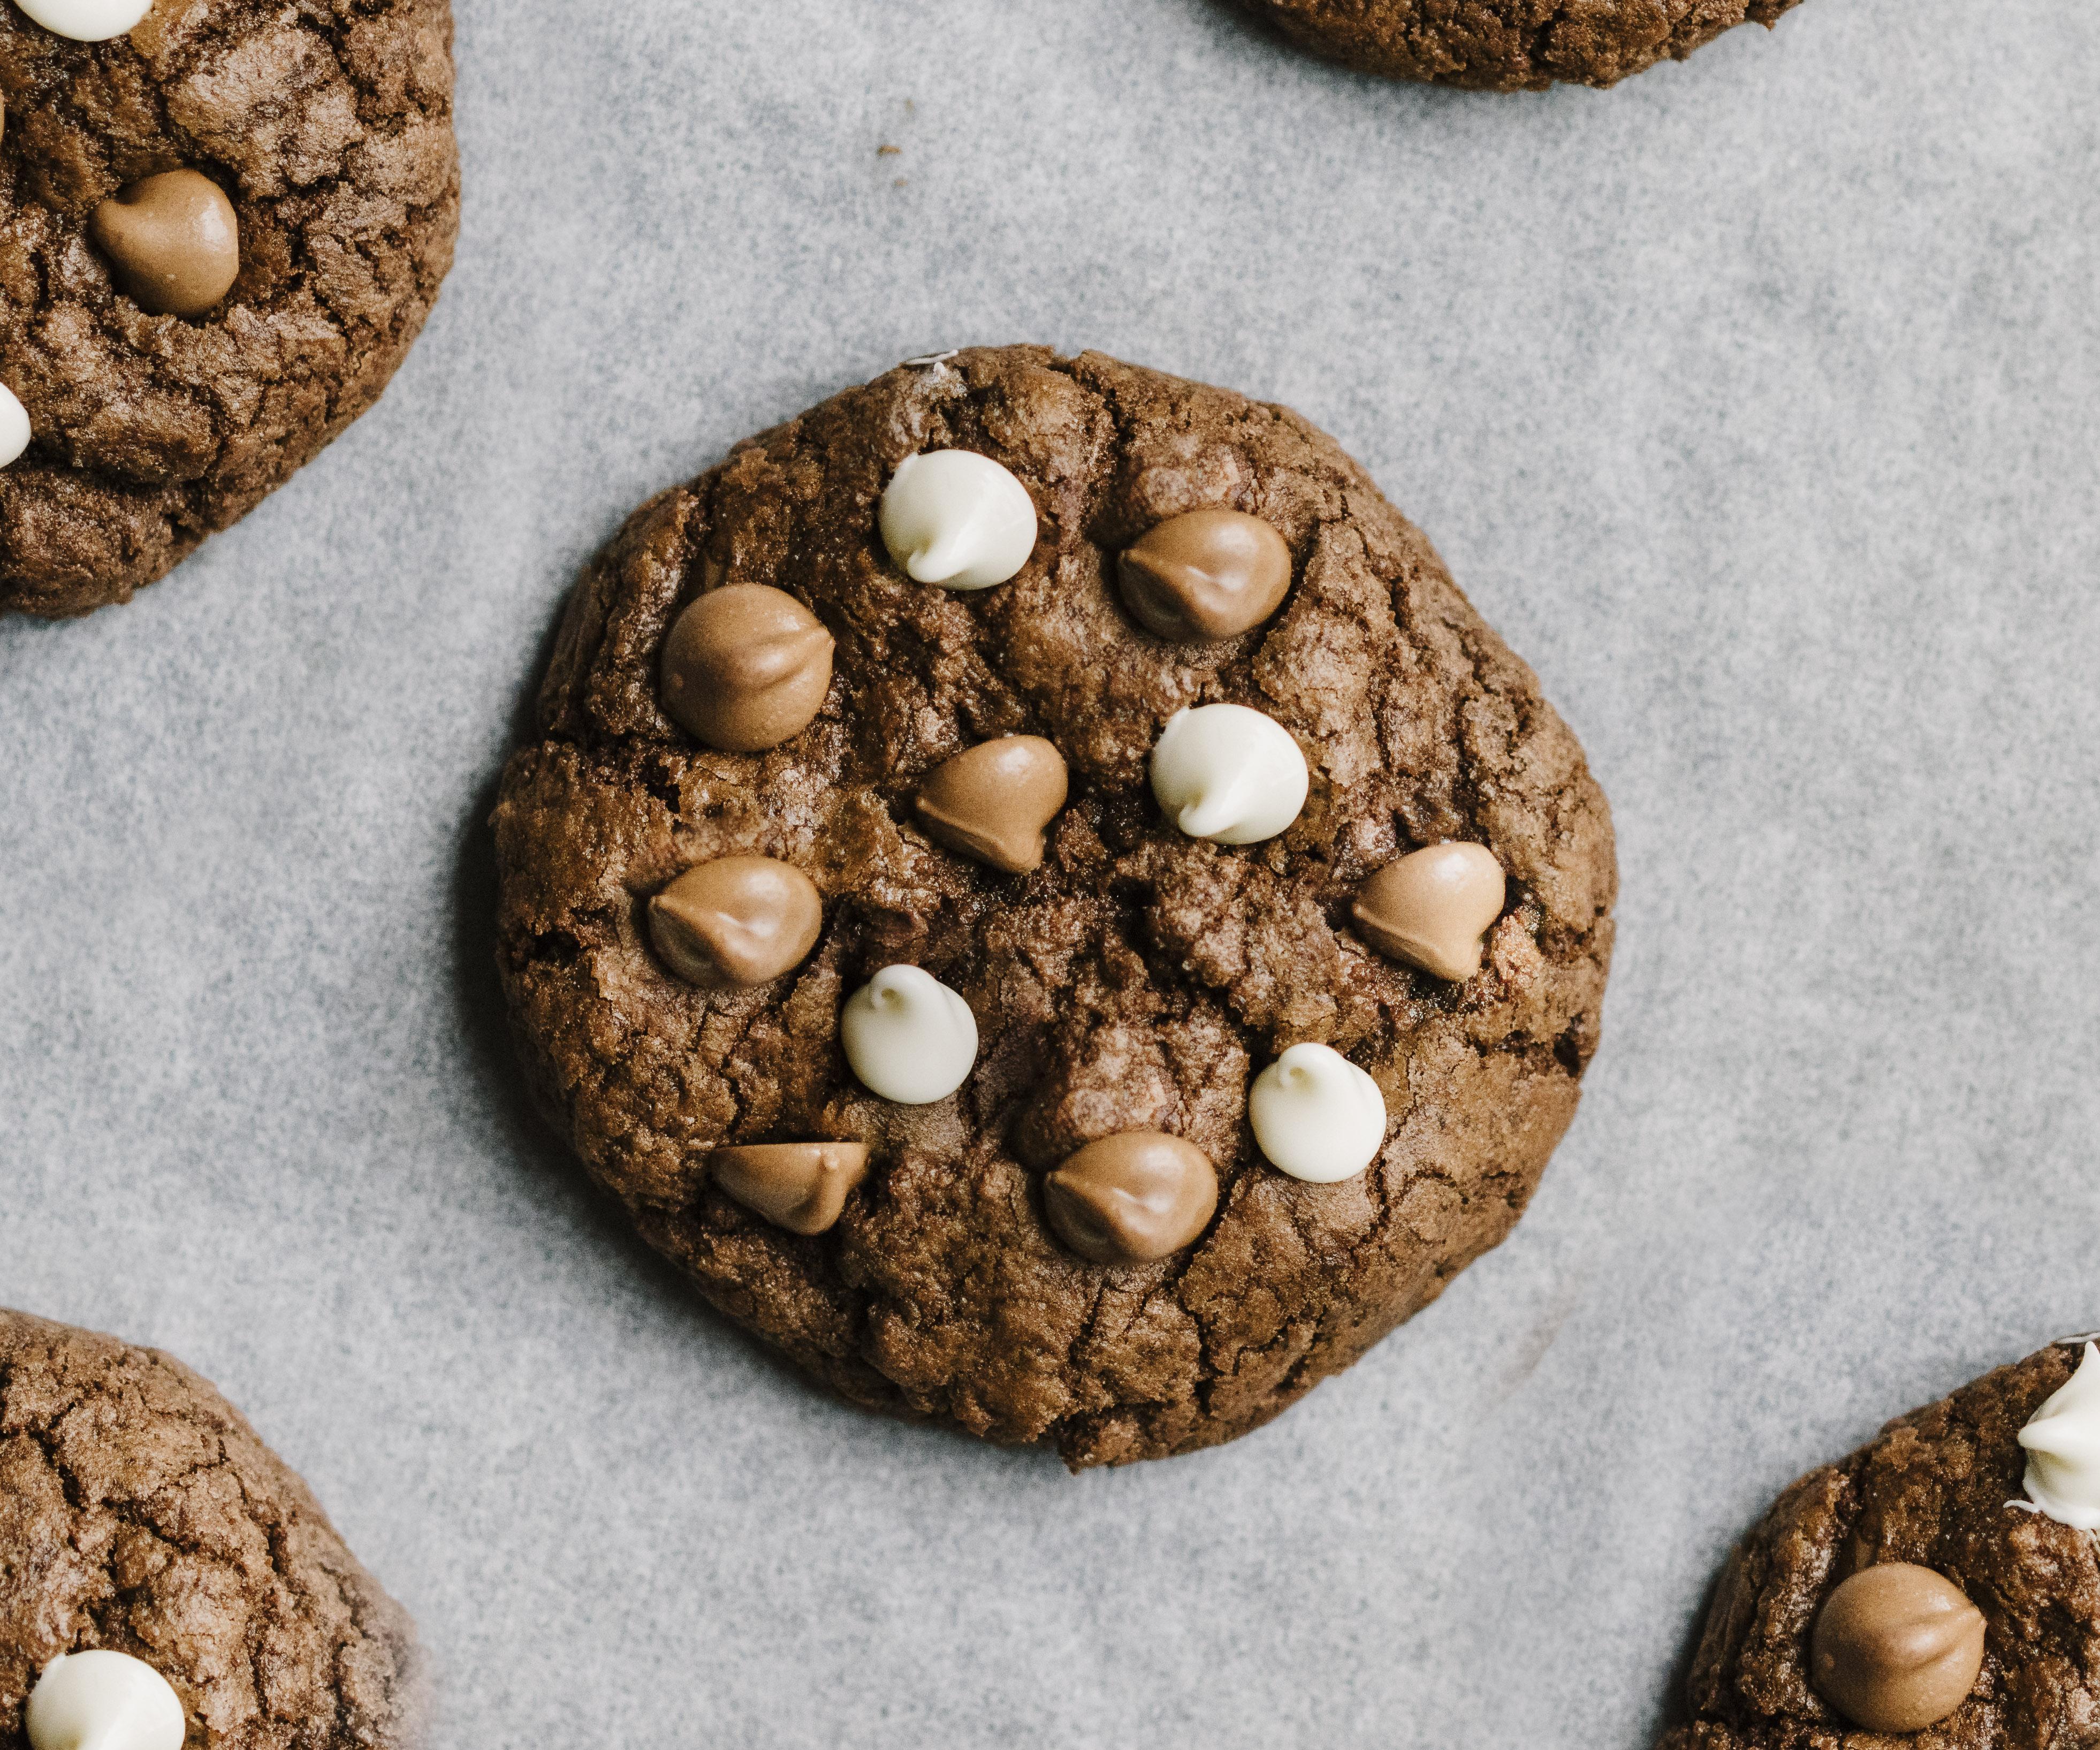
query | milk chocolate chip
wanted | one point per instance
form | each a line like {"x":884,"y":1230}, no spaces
{"x":746,"y":667}
{"x":171,"y":240}
{"x":993,"y":800}
{"x":1132,"y":1198}
{"x":1432,"y":908}
{"x":736,"y":922}
{"x":1897,"y":1648}
{"x":1206,"y":575}
{"x":802,"y":1186}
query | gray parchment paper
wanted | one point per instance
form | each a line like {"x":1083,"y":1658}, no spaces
{"x":1756,"y":403}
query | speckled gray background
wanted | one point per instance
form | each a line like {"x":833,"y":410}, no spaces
{"x":1756,"y":402}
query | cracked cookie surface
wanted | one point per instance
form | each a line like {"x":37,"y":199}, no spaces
{"x":1932,"y":1489}
{"x":1510,"y":45}
{"x":139,"y":1512}
{"x":329,"y":124}
{"x":1135,"y":982}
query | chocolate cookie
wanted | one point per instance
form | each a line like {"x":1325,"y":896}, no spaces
{"x":158,"y":1563}
{"x":220,"y":230}
{"x":1512,"y":45}
{"x":1939,"y":1585}
{"x":1040,"y":896}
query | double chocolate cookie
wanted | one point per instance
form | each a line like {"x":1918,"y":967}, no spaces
{"x":222,"y":223}
{"x":164,"y":1580}
{"x":1041,"y":896}
{"x":1939,"y":1587}
{"x":1512,"y":45}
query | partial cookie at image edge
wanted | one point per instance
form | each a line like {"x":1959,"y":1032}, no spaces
{"x":140,"y":1514}
{"x":1506,"y":45}
{"x":204,"y":296}
{"x":1964,"y":1495}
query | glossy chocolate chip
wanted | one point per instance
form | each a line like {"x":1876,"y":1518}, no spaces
{"x":745,"y":668}
{"x":1206,"y":574}
{"x":1433,"y":908}
{"x":1897,"y":1648}
{"x":802,"y":1186}
{"x":171,"y":240}
{"x":736,"y":922}
{"x":992,"y":801}
{"x":1131,"y":1198}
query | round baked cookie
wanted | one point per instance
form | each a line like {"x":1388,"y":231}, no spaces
{"x":219,"y":232}
{"x":1510,"y":45}
{"x":940,"y":1034}
{"x":1940,"y":1587}
{"x":140,"y":1516}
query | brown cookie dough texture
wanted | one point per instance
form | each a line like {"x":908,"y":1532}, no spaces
{"x":1932,"y":1490}
{"x":328,"y":127}
{"x":1512,"y":45}
{"x":139,"y":1513}
{"x":1136,"y":980}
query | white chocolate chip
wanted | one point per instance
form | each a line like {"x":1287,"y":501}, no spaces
{"x":101,"y":1701}
{"x":87,"y":20}
{"x":1229,"y":774}
{"x":958,"y":519}
{"x":909,"y":1037}
{"x":1316,"y":1116}
{"x":2063,"y":1439}
{"x":14,"y":426}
